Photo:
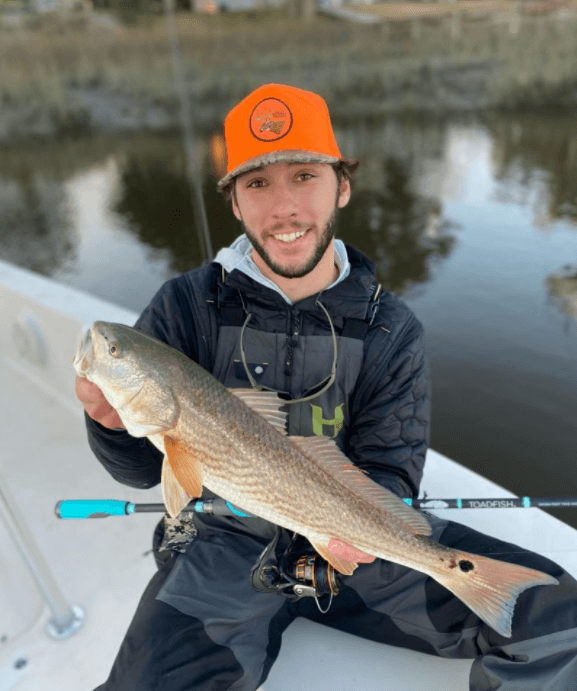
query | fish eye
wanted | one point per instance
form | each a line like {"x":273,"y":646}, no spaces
{"x":114,"y":350}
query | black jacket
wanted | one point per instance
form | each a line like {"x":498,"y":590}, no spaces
{"x":390,"y":405}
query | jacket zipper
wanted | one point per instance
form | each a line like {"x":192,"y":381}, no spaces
{"x":292,"y":341}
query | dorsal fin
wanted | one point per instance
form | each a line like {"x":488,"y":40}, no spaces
{"x":265,"y":403}
{"x":327,"y":454}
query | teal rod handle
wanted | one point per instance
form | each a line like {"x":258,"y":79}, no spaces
{"x":92,"y":508}
{"x":101,"y":508}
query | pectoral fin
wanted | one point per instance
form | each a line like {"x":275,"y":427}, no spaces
{"x":186,"y":468}
{"x":175,"y":498}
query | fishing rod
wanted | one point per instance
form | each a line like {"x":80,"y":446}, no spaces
{"x":186,"y":122}
{"x":102,"y":508}
{"x":306,"y":574}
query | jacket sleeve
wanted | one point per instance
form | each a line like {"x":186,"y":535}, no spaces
{"x":391,"y":411}
{"x":132,"y":461}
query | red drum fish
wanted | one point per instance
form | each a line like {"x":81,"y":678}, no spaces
{"x":234,"y":443}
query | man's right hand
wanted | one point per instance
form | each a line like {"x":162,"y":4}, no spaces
{"x":97,"y":407}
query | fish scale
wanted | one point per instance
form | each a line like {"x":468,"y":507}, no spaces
{"x":253,"y":460}
{"x":231,"y":442}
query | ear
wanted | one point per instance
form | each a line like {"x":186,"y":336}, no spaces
{"x":345,"y":193}
{"x":235,"y":209}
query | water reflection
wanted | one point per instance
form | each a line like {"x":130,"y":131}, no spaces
{"x":562,"y":288}
{"x":35,"y":228}
{"x":537,"y":165}
{"x":403,"y":231}
{"x":155,"y":199}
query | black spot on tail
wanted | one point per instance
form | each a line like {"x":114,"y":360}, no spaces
{"x":466,"y":565}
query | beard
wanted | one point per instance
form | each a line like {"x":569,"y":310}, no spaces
{"x":296,"y":271}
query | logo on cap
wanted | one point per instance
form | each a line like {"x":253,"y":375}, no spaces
{"x":271,"y":119}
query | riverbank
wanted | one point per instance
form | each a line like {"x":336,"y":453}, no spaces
{"x":85,"y":72}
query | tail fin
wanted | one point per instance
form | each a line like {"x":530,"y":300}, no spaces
{"x":490,"y":588}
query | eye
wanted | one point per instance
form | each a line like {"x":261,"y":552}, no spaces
{"x":254,"y":184}
{"x":114,"y":350}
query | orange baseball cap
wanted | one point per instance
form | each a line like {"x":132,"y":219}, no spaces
{"x":278,"y":123}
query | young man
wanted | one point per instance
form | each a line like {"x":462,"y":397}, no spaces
{"x":289,"y":308}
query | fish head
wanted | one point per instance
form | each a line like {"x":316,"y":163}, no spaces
{"x":136,"y":374}
{"x":106,"y":357}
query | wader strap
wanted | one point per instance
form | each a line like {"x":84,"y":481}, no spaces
{"x":231,"y":315}
{"x":232,"y":312}
{"x":229,"y":305}
{"x":355,"y":328}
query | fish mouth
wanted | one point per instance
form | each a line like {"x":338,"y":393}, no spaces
{"x":82,"y":359}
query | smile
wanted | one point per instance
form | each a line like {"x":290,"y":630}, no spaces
{"x":290,"y":237}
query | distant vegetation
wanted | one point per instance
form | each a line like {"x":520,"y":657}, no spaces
{"x":357,"y":68}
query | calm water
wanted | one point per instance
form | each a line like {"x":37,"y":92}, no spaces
{"x":473,"y":223}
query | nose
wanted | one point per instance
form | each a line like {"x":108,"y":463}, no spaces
{"x":284,"y":203}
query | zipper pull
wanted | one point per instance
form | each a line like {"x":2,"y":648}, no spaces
{"x":296,"y":330}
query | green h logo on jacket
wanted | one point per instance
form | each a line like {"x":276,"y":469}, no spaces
{"x":319,"y":421}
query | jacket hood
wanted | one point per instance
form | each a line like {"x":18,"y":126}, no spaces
{"x":239,"y":256}
{"x":349,"y":296}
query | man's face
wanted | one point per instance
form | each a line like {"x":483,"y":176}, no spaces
{"x":287,"y":211}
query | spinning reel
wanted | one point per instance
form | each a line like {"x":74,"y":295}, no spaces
{"x":303,"y":572}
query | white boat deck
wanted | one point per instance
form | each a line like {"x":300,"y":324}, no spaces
{"x":103,"y":565}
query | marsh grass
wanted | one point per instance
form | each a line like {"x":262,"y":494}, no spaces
{"x":226,"y":55}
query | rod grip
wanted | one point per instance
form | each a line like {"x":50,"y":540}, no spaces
{"x":92,"y":508}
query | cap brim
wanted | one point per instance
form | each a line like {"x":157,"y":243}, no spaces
{"x":275,"y":157}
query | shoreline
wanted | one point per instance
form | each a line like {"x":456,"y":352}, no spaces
{"x":97,"y":111}
{"x":68,"y":93}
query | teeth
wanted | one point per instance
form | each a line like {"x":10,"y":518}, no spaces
{"x":289,"y":237}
